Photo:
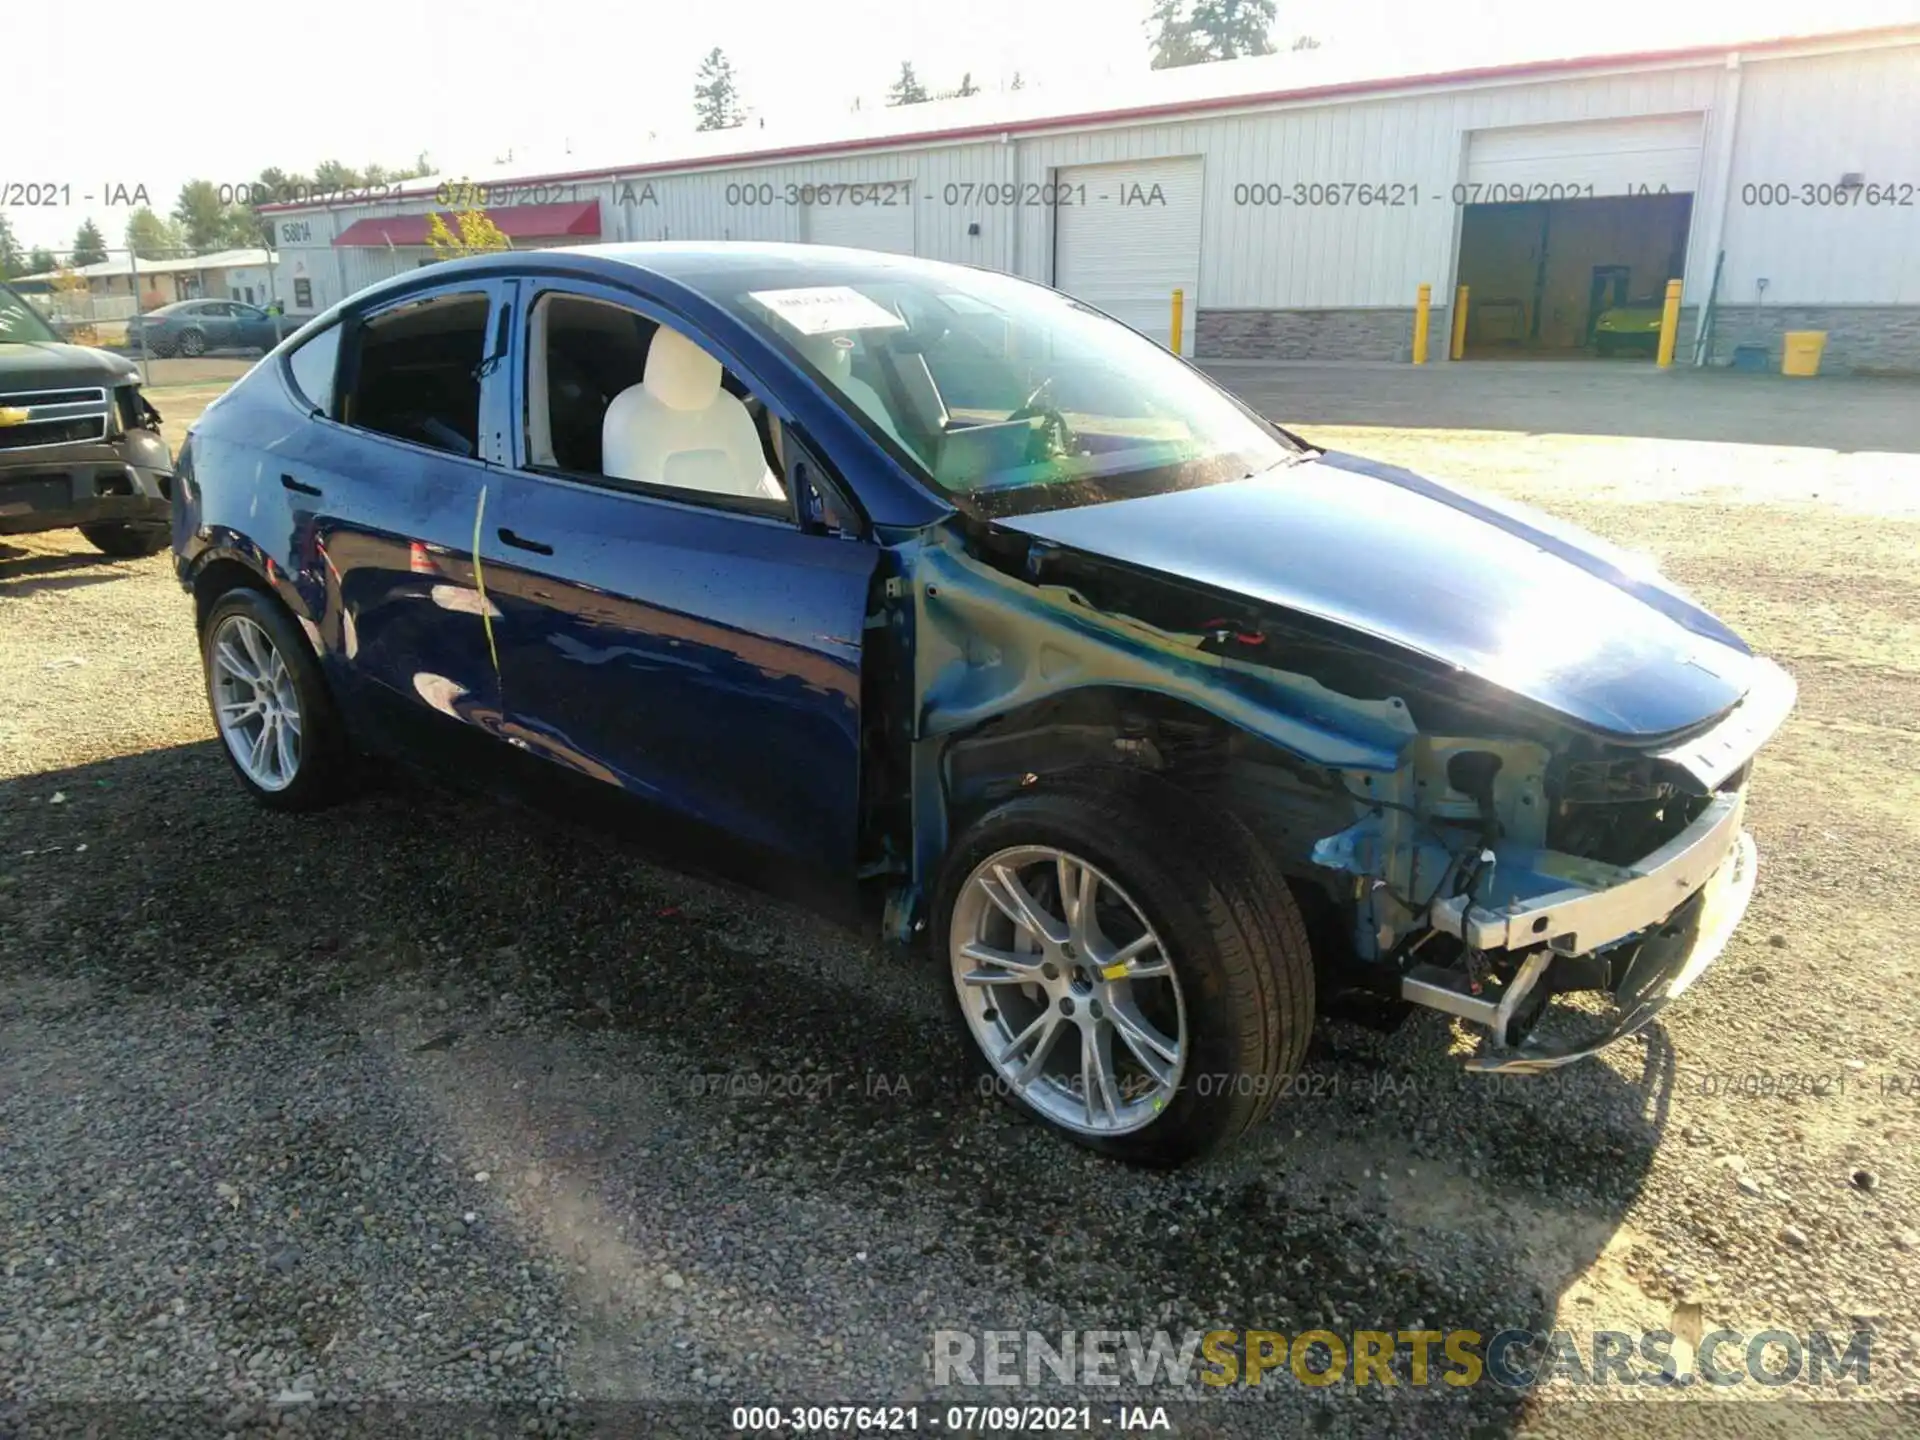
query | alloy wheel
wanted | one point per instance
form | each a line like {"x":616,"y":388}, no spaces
{"x":1068,"y":990}
{"x":255,"y":702}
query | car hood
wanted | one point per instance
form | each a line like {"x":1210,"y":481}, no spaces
{"x":1514,"y":597}
{"x":45,"y":366}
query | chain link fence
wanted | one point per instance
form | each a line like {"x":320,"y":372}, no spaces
{"x":161,"y":306}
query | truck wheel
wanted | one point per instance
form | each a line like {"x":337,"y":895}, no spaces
{"x":271,"y":704}
{"x":126,"y":540}
{"x":1131,"y":969}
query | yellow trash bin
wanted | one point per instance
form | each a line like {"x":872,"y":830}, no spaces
{"x":1802,"y":353}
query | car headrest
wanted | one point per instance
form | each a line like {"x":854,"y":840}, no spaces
{"x":832,"y":355}
{"x":680,"y":375}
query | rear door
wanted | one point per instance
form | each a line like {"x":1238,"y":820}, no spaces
{"x":698,"y":651}
{"x":217,"y":322}
{"x":391,"y":491}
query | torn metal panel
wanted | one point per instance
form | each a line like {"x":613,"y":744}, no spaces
{"x":985,"y":643}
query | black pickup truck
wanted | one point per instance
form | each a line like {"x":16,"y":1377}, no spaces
{"x":79,"y":444}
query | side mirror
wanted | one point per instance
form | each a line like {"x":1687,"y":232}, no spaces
{"x":818,"y":503}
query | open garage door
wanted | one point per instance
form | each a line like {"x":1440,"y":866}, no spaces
{"x":1130,"y":239}
{"x":839,"y":221}
{"x":1569,"y":234}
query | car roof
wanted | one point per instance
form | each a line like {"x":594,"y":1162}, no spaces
{"x":706,"y":268}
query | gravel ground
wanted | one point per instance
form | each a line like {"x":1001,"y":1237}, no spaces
{"x":427,"y":1102}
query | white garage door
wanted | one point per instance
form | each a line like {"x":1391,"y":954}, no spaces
{"x":1133,"y":242}
{"x":1615,"y":157}
{"x":866,"y":226}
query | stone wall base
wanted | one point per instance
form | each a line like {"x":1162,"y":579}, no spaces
{"x":1868,"y":339}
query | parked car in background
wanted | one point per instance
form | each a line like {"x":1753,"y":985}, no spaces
{"x":194,"y":327}
{"x":79,"y":444}
{"x":937,"y":597}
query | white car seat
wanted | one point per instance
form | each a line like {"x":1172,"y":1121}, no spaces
{"x":835,"y":361}
{"x":679,"y":428}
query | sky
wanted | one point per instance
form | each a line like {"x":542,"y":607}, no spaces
{"x":226,"y":88}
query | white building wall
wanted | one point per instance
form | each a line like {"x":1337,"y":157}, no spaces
{"x":1808,"y":122}
{"x":1347,"y":255}
{"x":1799,"y":118}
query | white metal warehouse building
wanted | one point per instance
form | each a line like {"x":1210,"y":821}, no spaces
{"x":1299,"y":219}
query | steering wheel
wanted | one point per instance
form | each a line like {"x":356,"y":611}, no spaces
{"x":1059,"y":434}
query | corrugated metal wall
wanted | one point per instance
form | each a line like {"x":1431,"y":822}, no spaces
{"x":1254,"y":256}
{"x":1799,"y":119}
{"x":1806,"y":123}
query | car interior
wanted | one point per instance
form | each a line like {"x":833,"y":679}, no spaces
{"x":418,"y":373}
{"x":611,"y":393}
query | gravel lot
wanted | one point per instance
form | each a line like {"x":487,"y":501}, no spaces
{"x":427,"y":1101}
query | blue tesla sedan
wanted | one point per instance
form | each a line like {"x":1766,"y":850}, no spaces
{"x":938,"y":599}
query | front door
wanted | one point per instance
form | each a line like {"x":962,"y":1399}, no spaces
{"x":695,"y":650}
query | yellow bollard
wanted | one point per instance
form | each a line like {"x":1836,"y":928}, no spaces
{"x":1458,"y":349}
{"x":1422,"y":320}
{"x":1179,"y":317}
{"x":1669,"y":325}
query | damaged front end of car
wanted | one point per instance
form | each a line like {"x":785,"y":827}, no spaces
{"x":1453,"y":845}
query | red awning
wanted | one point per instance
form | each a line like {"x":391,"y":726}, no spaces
{"x":516,"y":222}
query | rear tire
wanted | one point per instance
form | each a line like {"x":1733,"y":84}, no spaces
{"x":192,"y":343}
{"x":126,"y":540}
{"x":1225,"y":923}
{"x":247,"y":633}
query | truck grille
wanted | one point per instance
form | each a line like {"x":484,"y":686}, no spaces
{"x":34,"y":418}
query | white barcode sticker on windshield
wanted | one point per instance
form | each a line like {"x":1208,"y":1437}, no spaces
{"x":823,"y":309}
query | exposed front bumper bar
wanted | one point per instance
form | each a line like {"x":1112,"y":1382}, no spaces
{"x":1668,"y":965}
{"x":1584,"y":917}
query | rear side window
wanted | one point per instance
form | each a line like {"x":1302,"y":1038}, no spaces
{"x":416,"y":373}
{"x":313,"y":366}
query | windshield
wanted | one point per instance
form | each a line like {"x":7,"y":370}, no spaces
{"x":1009,"y":397}
{"x":20,"y":323}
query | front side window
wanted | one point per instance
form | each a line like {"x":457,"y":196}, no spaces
{"x":613,"y":394}
{"x":1008,"y":397}
{"x":416,"y":373}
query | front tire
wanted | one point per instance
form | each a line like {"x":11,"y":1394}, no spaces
{"x":1130,"y":969}
{"x":126,"y":540}
{"x":271,"y":705}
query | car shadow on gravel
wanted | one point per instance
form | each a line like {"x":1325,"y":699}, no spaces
{"x":22,"y":572}
{"x":786,"y":1063}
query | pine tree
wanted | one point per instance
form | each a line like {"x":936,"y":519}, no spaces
{"x":907,"y":90}
{"x":89,"y":245}
{"x":1193,"y":32}
{"x":716,"y":99}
